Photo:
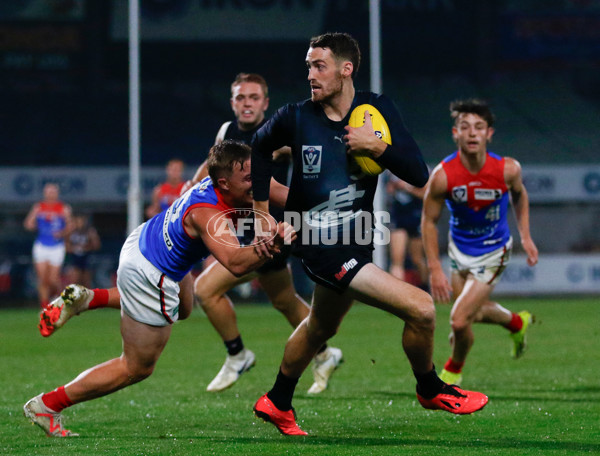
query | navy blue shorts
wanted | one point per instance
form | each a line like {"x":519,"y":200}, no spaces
{"x":78,"y":261}
{"x":407,"y":218}
{"x":336,"y":267}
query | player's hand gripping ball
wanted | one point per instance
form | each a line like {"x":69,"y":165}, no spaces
{"x":380,"y":126}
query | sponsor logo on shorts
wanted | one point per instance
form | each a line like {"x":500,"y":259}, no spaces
{"x":345,"y":268}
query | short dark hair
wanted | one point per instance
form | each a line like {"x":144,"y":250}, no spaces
{"x":251,"y":77}
{"x":223,"y":156}
{"x":342,"y":45}
{"x":472,"y":106}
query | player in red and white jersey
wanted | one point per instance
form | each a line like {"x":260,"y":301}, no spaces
{"x":475,"y":185}
{"x":51,"y":218}
{"x":164,"y":194}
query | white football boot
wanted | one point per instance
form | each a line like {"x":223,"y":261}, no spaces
{"x":233,"y":367}
{"x":73,"y":300}
{"x":323,"y":366}
{"x":48,"y":420}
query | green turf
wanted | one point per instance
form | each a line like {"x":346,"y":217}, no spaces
{"x":547,"y":403}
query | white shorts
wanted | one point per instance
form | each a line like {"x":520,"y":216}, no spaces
{"x":147,"y":294}
{"x":487,"y":268}
{"x":55,"y":254}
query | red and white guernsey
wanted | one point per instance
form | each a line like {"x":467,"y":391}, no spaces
{"x":478,"y":205}
{"x":168,"y":193}
{"x":164,"y":241}
{"x":51,"y":219}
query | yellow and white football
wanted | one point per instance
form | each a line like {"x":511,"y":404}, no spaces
{"x":380,"y":126}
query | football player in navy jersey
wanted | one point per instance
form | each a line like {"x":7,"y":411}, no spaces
{"x":249,"y":102}
{"x":334,"y":201}
{"x":475,"y":185}
{"x":154,"y":282}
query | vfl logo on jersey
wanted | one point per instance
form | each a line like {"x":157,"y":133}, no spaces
{"x":311,"y":159}
{"x":488,"y":194}
{"x":345,"y":268}
{"x":459,"y":194}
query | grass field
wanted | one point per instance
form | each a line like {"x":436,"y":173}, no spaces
{"x":547,"y":403}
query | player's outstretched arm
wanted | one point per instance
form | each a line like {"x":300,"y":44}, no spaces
{"x":214,"y":228}
{"x":520,"y":201}
{"x":433,"y":204}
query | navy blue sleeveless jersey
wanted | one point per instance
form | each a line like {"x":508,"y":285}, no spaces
{"x":327,"y":186}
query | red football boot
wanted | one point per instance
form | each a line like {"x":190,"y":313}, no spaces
{"x":284,"y":421}
{"x":455,"y":400}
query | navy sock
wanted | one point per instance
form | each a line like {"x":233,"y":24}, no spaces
{"x":429,"y":384}
{"x":282,"y":392}
{"x":322,"y":349}
{"x":234,"y":346}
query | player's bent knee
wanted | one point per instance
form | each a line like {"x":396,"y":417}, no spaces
{"x":283,"y":302}
{"x":459,"y":325}
{"x":138,"y":373}
{"x":206,"y":300}
{"x":424,"y":311}
{"x":320,"y":333}
{"x":426,"y":318}
{"x":204,"y":291}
